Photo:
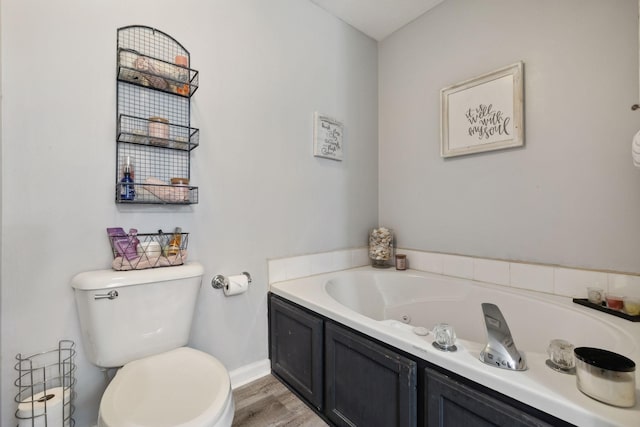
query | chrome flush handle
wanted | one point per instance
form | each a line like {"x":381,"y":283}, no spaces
{"x":109,"y":295}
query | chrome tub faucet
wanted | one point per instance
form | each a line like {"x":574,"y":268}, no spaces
{"x":500,"y":351}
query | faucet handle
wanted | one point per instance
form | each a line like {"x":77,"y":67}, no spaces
{"x":561,"y":356}
{"x":445,"y":337}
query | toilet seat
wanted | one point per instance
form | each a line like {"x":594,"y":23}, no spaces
{"x":179,"y":388}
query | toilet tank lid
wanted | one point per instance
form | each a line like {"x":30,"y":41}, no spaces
{"x":105,"y":279}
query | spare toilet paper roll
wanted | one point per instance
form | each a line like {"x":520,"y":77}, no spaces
{"x":52,"y":402}
{"x":235,"y":285}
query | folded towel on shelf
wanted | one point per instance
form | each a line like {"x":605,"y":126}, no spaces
{"x":635,"y":149}
{"x":166,"y":192}
{"x":140,"y":263}
{"x":149,"y":67}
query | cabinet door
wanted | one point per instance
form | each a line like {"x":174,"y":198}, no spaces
{"x":296,"y":349}
{"x":452,"y":404}
{"x":367,"y":385}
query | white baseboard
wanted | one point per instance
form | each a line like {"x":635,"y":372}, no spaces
{"x":249,"y":373}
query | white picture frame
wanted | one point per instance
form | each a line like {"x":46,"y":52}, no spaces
{"x":328,"y":134}
{"x":484,"y":113}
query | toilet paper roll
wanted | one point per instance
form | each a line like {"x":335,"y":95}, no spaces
{"x":52,"y":402}
{"x":235,"y":285}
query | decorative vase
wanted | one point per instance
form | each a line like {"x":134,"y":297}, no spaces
{"x":381,"y":247}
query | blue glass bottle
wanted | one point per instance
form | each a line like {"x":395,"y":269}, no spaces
{"x":127,"y":187}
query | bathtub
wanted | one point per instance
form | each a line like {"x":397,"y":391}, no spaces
{"x":388,"y":305}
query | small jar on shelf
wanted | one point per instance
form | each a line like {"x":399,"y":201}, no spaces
{"x":159,"y":131}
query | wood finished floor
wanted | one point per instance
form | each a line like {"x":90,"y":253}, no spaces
{"x":268,"y":403}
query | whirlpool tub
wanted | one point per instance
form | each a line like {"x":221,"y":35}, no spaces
{"x":388,"y":305}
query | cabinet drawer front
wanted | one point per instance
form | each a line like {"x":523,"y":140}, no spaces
{"x":452,"y":404}
{"x":296,"y":349}
{"x":367,"y":385}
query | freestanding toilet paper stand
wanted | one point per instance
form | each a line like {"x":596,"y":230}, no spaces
{"x":45,"y":387}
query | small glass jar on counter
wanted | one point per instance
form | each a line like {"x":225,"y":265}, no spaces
{"x":381,"y":247}
{"x":401,"y":262}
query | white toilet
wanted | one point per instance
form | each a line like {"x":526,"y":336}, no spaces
{"x":140,"y":321}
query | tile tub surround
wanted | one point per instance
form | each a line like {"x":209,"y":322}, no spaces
{"x":548,"y":279}
{"x":309,"y":265}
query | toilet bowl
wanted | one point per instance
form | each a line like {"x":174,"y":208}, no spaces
{"x":139,"y":322}
{"x":182,"y":387}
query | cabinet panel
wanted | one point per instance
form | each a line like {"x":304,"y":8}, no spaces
{"x":452,"y":404}
{"x":367,"y":385}
{"x":296,"y":349}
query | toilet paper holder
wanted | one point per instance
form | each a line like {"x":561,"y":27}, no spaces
{"x":46,"y":384}
{"x":219,"y":281}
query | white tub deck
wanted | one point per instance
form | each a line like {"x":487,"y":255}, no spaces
{"x":372,"y":301}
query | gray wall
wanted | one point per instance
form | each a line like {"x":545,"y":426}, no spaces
{"x":1,"y":175}
{"x":265,"y":67}
{"x":571,"y":196}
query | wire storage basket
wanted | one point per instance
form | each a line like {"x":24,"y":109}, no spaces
{"x":45,"y":387}
{"x":154,"y":136}
{"x":134,"y":251}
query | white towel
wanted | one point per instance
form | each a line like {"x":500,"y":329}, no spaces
{"x":635,"y":150}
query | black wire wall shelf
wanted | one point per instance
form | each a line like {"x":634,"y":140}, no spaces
{"x":158,"y":194}
{"x":154,"y":136}
{"x":154,"y":73}
{"x":138,"y":130}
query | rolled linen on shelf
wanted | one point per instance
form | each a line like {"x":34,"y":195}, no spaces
{"x":166,"y":192}
{"x":635,"y":149}
{"x":141,"y":263}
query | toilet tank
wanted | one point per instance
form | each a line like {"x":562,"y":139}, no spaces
{"x":151,"y":313}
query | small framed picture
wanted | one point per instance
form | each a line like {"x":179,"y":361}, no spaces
{"x":483,"y":114}
{"x":327,"y":137}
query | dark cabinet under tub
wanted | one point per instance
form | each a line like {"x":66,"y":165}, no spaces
{"x":353,"y":380}
{"x":367,"y":384}
{"x":450,"y":403}
{"x":296,"y":349}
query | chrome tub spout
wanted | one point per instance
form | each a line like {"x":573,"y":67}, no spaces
{"x":500,"y":351}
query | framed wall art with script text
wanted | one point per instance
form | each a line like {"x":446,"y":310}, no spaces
{"x":327,"y":137}
{"x":485,"y":113}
